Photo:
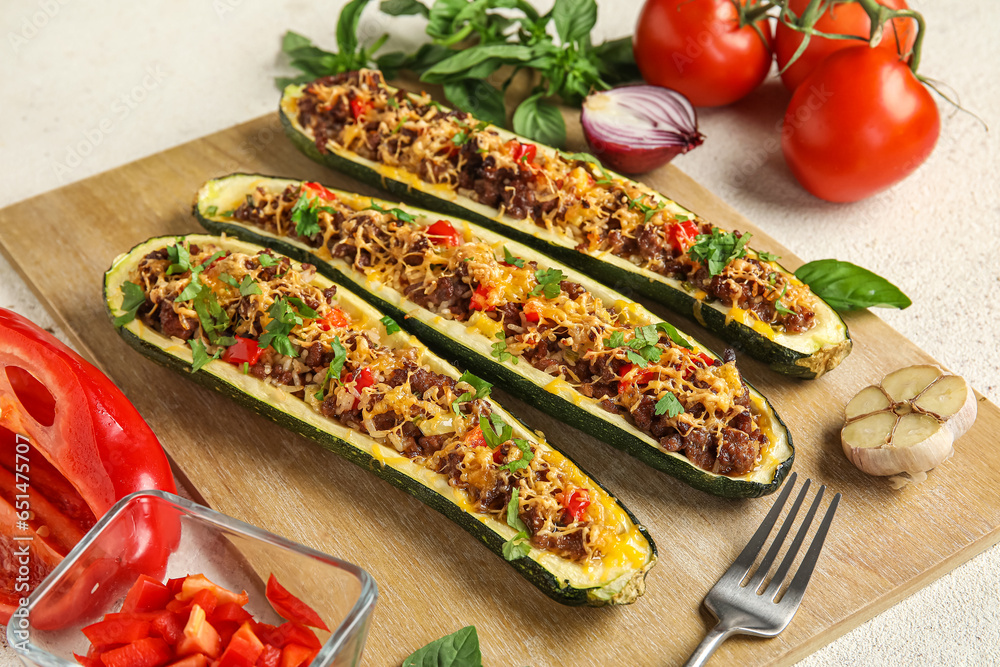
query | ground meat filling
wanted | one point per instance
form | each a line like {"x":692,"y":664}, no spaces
{"x":469,"y":283}
{"x":355,"y":110}
{"x":227,"y":304}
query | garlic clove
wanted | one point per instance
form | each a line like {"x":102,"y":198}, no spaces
{"x":951,"y":398}
{"x":870,"y":431}
{"x":869,"y":399}
{"x":906,"y":383}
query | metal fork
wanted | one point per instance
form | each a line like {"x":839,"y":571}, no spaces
{"x":748,"y":610}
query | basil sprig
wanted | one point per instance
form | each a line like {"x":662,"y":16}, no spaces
{"x":847,"y":286}
{"x":459,"y":649}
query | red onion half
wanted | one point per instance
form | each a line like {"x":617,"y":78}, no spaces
{"x":633,"y":129}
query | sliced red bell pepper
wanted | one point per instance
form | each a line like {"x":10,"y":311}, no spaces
{"x":362,"y":378}
{"x":118,"y":629}
{"x":631,"y":376}
{"x":292,"y":633}
{"x":523,"y":153}
{"x":231,"y":611}
{"x":199,"y":635}
{"x":295,"y":655}
{"x":532,"y":311}
{"x":205,"y":599}
{"x":269,"y":657}
{"x":290,"y":607}
{"x":480,"y":299}
{"x":578,"y":503}
{"x":360,"y":108}
{"x":243,"y":649}
{"x":243,"y":351}
{"x":168,"y":625}
{"x":319,"y":190}
{"x":195,"y":583}
{"x":335,"y":319}
{"x":196,"y":660}
{"x":146,"y":594}
{"x":96,"y":449}
{"x":682,"y":235}
{"x":443,"y":233}
{"x":148,"y":652}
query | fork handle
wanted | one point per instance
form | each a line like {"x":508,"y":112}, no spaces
{"x":707,"y":647}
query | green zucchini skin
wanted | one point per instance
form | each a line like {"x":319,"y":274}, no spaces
{"x":507,"y":376}
{"x":646,"y":283}
{"x":545,"y":580}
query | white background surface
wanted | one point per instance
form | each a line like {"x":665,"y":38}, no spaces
{"x":87,"y":86}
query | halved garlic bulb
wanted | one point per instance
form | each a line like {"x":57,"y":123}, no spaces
{"x":909,"y":422}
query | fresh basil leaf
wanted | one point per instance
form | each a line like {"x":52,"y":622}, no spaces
{"x":526,"y":456}
{"x":478,"y":98}
{"x":495,"y":430}
{"x":579,"y":157}
{"x":459,"y":649}
{"x":616,"y":60}
{"x":669,"y":405}
{"x":181,"y":258}
{"x":199,"y":355}
{"x":780,"y":307}
{"x":293,"y":41}
{"x":347,"y":25}
{"x":481,"y":386}
{"x":390,"y":325}
{"x":540,"y":121}
{"x":847,"y":286}
{"x":513,"y":520}
{"x":336,"y":366}
{"x":133,"y":298}
{"x":674,"y":334}
{"x":574,"y":19}
{"x":510,"y":259}
{"x":467,"y":59}
{"x":404,"y":8}
{"x":517,"y":546}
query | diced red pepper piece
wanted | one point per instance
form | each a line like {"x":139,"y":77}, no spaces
{"x":269,"y":657}
{"x":148,"y":652}
{"x":287,"y":605}
{"x":198,"y":582}
{"x":523,"y":153}
{"x":474,"y":438}
{"x":196,"y":660}
{"x":243,"y":351}
{"x":295,"y":655}
{"x":88,"y":661}
{"x":231,"y":612}
{"x":168,"y":625}
{"x":318,"y":189}
{"x":146,"y":594}
{"x":709,"y":361}
{"x":630,"y":377}
{"x":682,"y":235}
{"x":578,"y":503}
{"x":119,"y":629}
{"x":174,"y":585}
{"x":335,"y":319}
{"x":362,"y":378}
{"x":443,"y":233}
{"x":480,"y":299}
{"x":292,"y":633}
{"x":179,"y":606}
{"x":206,"y":600}
{"x":360,"y":108}
{"x":199,"y":636}
{"x":243,"y":649}
{"x":531,"y":311}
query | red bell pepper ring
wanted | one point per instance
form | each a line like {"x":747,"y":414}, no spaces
{"x":443,"y":233}
{"x":480,"y":299}
{"x":57,"y":408}
{"x":290,"y":607}
{"x":243,"y":351}
{"x":578,"y":503}
{"x":318,"y":190}
{"x":360,"y":108}
{"x":682,"y":235}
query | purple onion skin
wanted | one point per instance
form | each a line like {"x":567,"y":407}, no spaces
{"x":629,"y":161}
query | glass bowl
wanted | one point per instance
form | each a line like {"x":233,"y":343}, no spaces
{"x":165,"y":536}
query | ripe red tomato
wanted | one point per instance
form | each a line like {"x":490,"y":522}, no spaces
{"x":698,"y":48}
{"x":844,"y":19}
{"x":858,"y":124}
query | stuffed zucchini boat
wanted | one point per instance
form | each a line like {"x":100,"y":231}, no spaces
{"x":615,"y":229}
{"x":574,"y":348}
{"x":278,"y":338}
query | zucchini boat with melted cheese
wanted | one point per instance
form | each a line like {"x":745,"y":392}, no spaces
{"x":570,"y":346}
{"x":278,"y":338}
{"x":615,"y":229}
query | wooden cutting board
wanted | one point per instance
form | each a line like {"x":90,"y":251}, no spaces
{"x":433,"y":577}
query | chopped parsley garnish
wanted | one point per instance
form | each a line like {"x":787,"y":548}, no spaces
{"x":246,"y":367}
{"x":778,"y":305}
{"x":212,"y":210}
{"x":768,"y":257}
{"x":133,"y":298}
{"x":399,"y":125}
{"x":304,"y":310}
{"x":719,"y":248}
{"x":283,"y":320}
{"x":510,"y":259}
{"x":249,"y":286}
{"x":500,"y":350}
{"x":390,"y":324}
{"x":305,"y":214}
{"x":548,"y":283}
{"x":517,"y":546}
{"x":180,"y":259}
{"x":398,"y":213}
{"x":674,"y":335}
{"x":467,"y":132}
{"x":669,"y":405}
{"x":481,"y":386}
{"x":229,"y":280}
{"x":644,"y":346}
{"x":199,"y":355}
{"x":649,"y":211}
{"x":616,"y":339}
{"x":335,"y":368}
{"x":266,"y":260}
{"x":526,"y":456}
{"x":393,"y":103}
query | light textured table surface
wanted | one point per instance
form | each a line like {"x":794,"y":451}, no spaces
{"x":87,"y":86}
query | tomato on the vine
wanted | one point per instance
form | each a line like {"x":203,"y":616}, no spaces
{"x":698,"y":48}
{"x":859,"y":123}
{"x":844,"y":18}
